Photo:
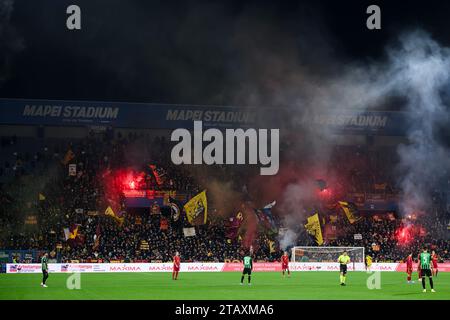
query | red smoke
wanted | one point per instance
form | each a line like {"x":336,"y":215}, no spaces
{"x":406,"y":234}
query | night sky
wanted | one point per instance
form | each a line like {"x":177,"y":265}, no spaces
{"x":190,"y":52}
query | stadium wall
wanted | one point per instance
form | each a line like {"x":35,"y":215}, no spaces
{"x":164,"y":116}
{"x":203,"y":267}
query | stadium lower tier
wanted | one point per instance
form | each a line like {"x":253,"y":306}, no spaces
{"x":205,"y":267}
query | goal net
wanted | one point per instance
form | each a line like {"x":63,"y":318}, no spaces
{"x":326,"y":254}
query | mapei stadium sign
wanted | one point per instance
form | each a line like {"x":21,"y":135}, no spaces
{"x":164,"y":116}
{"x":203,"y":267}
{"x":70,"y":112}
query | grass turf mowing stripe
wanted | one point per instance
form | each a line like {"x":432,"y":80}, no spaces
{"x":220,"y":286}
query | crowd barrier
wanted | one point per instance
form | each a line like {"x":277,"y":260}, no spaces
{"x":204,"y":267}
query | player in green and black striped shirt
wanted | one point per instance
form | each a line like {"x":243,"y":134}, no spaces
{"x":248,"y":266}
{"x":425,"y":267}
{"x":44,"y":266}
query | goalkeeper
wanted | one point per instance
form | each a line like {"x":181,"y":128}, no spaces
{"x":343,"y":260}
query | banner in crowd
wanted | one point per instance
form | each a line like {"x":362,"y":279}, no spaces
{"x":72,"y":170}
{"x":97,"y":236}
{"x":272,"y":246}
{"x":197,"y":209}
{"x":313,"y":227}
{"x":380,"y":186}
{"x":204,"y":267}
{"x":175,"y":209}
{"x":110,"y":212}
{"x":158,"y":173}
{"x":71,"y":233}
{"x":266,"y":219}
{"x":189,"y":232}
{"x":232,"y":229}
{"x":31,"y":220}
{"x":350,"y":210}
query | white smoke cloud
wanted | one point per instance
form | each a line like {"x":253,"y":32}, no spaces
{"x":294,"y":204}
{"x":421,"y":72}
{"x":417,"y":69}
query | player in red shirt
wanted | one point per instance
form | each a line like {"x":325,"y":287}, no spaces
{"x":176,"y":266}
{"x":409,"y":267}
{"x":285,"y":264}
{"x":434,"y":260}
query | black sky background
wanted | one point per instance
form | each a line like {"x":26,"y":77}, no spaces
{"x":185,"y":51}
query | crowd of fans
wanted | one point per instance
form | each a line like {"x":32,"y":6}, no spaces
{"x":36,"y":183}
{"x":383,"y":240}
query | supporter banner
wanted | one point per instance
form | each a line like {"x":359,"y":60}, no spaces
{"x":313,"y":227}
{"x":351,"y":211}
{"x":72,"y":170}
{"x":205,"y":267}
{"x":189,"y":232}
{"x":161,"y":116}
{"x":197,"y":209}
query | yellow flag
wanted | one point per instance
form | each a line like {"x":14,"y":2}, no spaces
{"x":41,"y":197}
{"x":272,"y":246}
{"x":110,"y":212}
{"x":333,"y":218}
{"x":349,"y":210}
{"x":74,"y":233}
{"x":197,"y":208}
{"x":313,"y":228}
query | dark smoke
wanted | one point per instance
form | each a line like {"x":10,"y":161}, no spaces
{"x":10,"y":42}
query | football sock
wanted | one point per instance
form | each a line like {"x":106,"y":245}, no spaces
{"x":250,"y":277}
{"x":423,"y":282}
{"x":242,"y":279}
{"x":431,"y":283}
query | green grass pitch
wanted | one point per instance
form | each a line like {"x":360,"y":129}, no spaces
{"x":220,"y":286}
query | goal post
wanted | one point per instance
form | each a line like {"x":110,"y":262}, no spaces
{"x":326,"y":254}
